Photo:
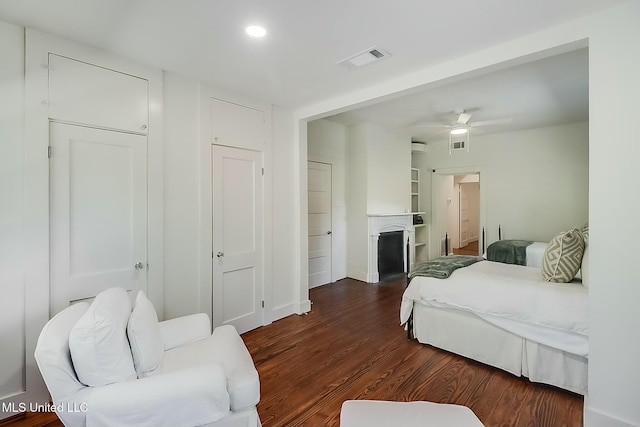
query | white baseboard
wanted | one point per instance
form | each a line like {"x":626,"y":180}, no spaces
{"x":595,"y":418}
{"x":358,"y":275}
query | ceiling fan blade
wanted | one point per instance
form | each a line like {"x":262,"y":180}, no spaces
{"x":463,"y":118}
{"x":491,"y":122}
{"x":432,"y":125}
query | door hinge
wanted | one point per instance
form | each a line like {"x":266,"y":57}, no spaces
{"x":49,"y":151}
{"x":262,"y":304}
{"x":262,"y":171}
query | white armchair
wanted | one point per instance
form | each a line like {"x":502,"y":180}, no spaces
{"x":172,"y":373}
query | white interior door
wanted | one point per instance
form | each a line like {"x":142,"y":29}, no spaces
{"x":319,"y":195}
{"x":98,"y":212}
{"x":463,"y":217}
{"x":237,"y":238}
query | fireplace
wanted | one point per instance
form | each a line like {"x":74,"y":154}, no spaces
{"x":401,"y":225}
{"x":390,"y":254}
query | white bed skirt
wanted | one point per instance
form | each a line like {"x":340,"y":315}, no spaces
{"x":466,"y":334}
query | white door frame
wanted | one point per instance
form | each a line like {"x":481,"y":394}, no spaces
{"x":205,"y":262}
{"x":436,"y":220}
{"x":241,"y":261}
{"x":36,"y":187}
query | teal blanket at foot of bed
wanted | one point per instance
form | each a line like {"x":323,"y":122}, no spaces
{"x":509,"y":251}
{"x":442,"y":267}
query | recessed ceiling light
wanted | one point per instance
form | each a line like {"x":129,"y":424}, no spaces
{"x":255,"y":31}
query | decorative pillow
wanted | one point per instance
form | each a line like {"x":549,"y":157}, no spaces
{"x":145,"y":337}
{"x":585,"y":234}
{"x":585,"y":267}
{"x":563,"y":256}
{"x":98,"y":341}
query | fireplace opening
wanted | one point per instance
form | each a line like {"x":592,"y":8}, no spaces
{"x":390,"y":254}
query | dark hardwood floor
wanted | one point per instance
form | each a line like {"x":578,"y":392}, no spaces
{"x":350,"y":346}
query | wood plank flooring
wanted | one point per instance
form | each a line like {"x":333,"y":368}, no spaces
{"x":350,"y":346}
{"x":470,"y":249}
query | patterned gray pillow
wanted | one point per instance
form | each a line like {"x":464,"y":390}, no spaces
{"x":563,"y":256}
{"x":585,"y":233}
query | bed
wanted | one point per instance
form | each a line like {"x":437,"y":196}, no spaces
{"x":520,"y":252}
{"x":506,"y":316}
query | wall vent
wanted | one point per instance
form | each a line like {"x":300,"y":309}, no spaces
{"x":363,"y":58}
{"x":457,"y":145}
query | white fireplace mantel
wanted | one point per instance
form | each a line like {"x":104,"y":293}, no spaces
{"x":383,"y":223}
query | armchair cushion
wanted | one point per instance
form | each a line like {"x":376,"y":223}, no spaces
{"x":145,"y":337}
{"x":98,"y":341}
{"x":185,"y":330}
{"x":192,"y":396}
{"x":224,"y":347}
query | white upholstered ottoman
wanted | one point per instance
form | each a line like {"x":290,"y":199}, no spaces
{"x":380,"y":413}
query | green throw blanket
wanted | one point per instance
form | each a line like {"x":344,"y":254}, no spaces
{"x":442,"y":267}
{"x":509,"y":251}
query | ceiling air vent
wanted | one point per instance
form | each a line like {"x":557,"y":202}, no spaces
{"x":363,"y":58}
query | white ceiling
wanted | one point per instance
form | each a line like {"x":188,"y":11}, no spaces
{"x":295,"y":65}
{"x":548,"y":92}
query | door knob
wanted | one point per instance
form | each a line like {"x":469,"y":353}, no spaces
{"x":329,"y":232}
{"x":219,"y":254}
{"x":138,"y":265}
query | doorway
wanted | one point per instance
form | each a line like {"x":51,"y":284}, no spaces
{"x":458,"y":214}
{"x":468,"y":187}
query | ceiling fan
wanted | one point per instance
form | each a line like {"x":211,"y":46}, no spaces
{"x":461,"y":125}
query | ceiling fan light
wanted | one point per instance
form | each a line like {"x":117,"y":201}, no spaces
{"x":459,"y":131}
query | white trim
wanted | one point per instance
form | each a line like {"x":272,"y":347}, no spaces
{"x":206,"y":95}
{"x":595,"y":418}
{"x":301,"y":260}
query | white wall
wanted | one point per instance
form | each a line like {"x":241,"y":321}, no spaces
{"x":378,"y":182}
{"x":327,"y":143}
{"x":12,"y":284}
{"x":388,"y":172}
{"x":177,"y":256}
{"x":536,"y":180}
{"x":188,"y":200}
{"x":614,"y":87}
{"x":284,"y":286}
{"x":182,"y":195}
{"x":357,"y":226}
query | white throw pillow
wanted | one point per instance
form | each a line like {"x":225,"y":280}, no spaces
{"x":145,"y":337}
{"x":98,"y":341}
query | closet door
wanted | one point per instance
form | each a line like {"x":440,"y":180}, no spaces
{"x":96,"y":96}
{"x":98,"y":212}
{"x":237,"y":238}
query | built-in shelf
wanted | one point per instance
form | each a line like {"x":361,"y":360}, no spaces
{"x":420,"y":230}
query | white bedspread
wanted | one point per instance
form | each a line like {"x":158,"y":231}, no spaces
{"x":512,"y":297}
{"x":535,"y":253}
